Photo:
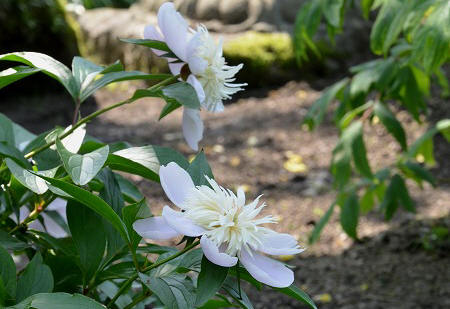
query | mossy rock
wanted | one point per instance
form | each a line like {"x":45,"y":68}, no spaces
{"x":264,"y":55}
{"x":269,"y":58}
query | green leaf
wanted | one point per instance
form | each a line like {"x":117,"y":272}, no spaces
{"x":333,"y":11}
{"x":199,"y":168}
{"x":317,"y":111}
{"x":58,"y":301}
{"x":168,"y":108}
{"x":88,"y":235}
{"x":391,"y":124}
{"x":113,"y":77}
{"x":349,"y":116}
{"x":349,"y":215}
{"x":419,"y":173}
{"x":307,"y":23}
{"x":383,"y":24}
{"x":11,"y":243}
{"x":129,"y":191}
{"x":36,"y":278}
{"x":396,"y":194}
{"x":321,"y":224}
{"x":29,"y":179}
{"x":11,"y":75}
{"x":209,"y":281}
{"x":131,"y":213}
{"x":159,"y":45}
{"x":183,"y":93}
{"x":234,"y":290}
{"x":443,"y":126}
{"x":297,"y":294}
{"x":6,"y":131}
{"x":49,"y":66}
{"x":431,"y":41}
{"x":82,"y":168}
{"x":7,"y":276}
{"x":13,"y":153}
{"x":367,"y":201}
{"x":145,"y":161}
{"x":174,"y":290}
{"x":84,"y":71}
{"x":366,"y":6}
{"x":358,"y":148}
{"x":92,"y":201}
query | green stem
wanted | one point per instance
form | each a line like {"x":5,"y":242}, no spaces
{"x":137,"y":300}
{"x":127,"y":283}
{"x":32,"y":216}
{"x":97,"y":113}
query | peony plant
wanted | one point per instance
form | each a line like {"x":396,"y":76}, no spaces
{"x":75,"y":233}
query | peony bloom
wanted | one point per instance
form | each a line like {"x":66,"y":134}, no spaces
{"x":200,"y":62}
{"x":227,"y":227}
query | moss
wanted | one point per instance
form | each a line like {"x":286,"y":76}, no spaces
{"x":269,"y":55}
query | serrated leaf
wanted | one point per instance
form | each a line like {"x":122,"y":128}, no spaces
{"x":36,"y":278}
{"x":350,"y":215}
{"x":82,"y":168}
{"x":88,"y":235}
{"x":209,"y":281}
{"x":47,"y":65}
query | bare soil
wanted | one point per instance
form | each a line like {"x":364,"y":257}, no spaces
{"x":396,"y":264}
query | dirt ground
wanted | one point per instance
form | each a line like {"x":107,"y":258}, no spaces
{"x":396,"y":264}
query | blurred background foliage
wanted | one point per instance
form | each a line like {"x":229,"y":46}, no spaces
{"x":91,"y":4}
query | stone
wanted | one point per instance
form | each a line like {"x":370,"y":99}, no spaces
{"x":207,"y":10}
{"x":233,"y":11}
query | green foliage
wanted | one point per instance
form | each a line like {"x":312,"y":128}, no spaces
{"x":92,"y":4}
{"x":413,"y":38}
{"x":101,"y":256}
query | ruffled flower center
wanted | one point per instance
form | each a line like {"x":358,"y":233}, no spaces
{"x":230,"y":224}
{"x":217,"y":78}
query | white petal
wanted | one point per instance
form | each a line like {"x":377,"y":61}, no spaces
{"x":241,"y":196}
{"x":154,"y":228}
{"x":212,"y":253}
{"x":192,"y":127}
{"x":73,"y":141}
{"x":180,"y":223}
{"x":175,"y":68}
{"x":197,"y":64}
{"x":267,"y":270}
{"x":175,"y":182}
{"x":194,"y":82}
{"x":174,"y":28}
{"x":279,"y":244}
{"x":151,"y":33}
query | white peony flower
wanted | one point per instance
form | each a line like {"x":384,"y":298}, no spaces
{"x":201,"y":57}
{"x":227,"y":227}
